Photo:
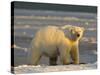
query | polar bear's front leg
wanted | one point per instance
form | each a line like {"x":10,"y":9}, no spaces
{"x":65,"y":56}
{"x":75,"y":54}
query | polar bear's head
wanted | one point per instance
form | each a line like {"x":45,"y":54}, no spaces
{"x":76,"y":32}
{"x":73,"y":32}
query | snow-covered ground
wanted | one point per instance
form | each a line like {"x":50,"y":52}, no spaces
{"x":44,"y":68}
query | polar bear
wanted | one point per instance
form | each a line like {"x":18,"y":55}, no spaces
{"x":53,"y":41}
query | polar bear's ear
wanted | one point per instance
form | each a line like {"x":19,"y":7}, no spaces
{"x":71,"y":29}
{"x":66,"y":26}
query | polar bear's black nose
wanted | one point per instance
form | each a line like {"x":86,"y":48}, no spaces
{"x":78,"y":35}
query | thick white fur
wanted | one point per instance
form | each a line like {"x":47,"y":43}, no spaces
{"x":53,"y":41}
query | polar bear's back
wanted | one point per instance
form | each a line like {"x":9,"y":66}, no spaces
{"x":49,"y":34}
{"x":47,"y":37}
